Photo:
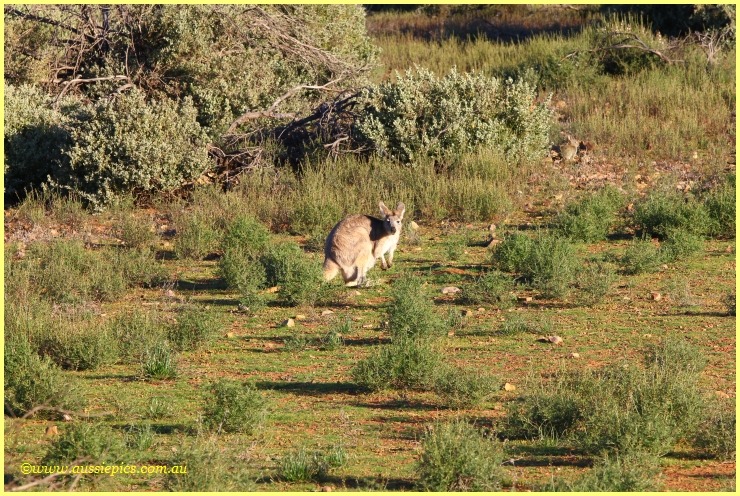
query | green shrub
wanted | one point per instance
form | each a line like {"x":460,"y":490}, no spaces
{"x":139,"y":267}
{"x":619,"y":472}
{"x":134,"y":233}
{"x":406,"y":363}
{"x":233,"y":406}
{"x":625,"y":407}
{"x":517,"y":324}
{"x":419,"y":115}
{"x":196,"y":237}
{"x":302,"y":284}
{"x":136,"y":331}
{"x":664,"y":211}
{"x":595,"y":280}
{"x":457,"y":457}
{"x":242,"y":273}
{"x":35,"y":137}
{"x":716,"y":433}
{"x":208,"y":469}
{"x":491,"y":287}
{"x":591,"y":218}
{"x":679,"y":244}
{"x":139,"y":437}
{"x":720,"y":205}
{"x":248,"y":235}
{"x":642,"y":255}
{"x":131,"y":145}
{"x":80,"y":345}
{"x":411,"y":313}
{"x":31,"y":381}
{"x":513,"y":253}
{"x":158,"y":361}
{"x":97,"y":443}
{"x":195,"y":327}
{"x":461,"y":388}
{"x":303,"y":465}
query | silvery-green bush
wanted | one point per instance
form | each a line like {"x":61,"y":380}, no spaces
{"x":129,"y":145}
{"x":421,"y":115}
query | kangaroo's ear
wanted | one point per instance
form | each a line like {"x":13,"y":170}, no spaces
{"x":384,"y":210}
{"x":400,"y":209}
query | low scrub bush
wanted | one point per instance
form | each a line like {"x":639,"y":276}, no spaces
{"x":642,"y":255}
{"x":664,"y":211}
{"x":406,"y":363}
{"x":517,"y":324}
{"x":97,"y":443}
{"x":139,"y":437}
{"x":547,"y":261}
{"x":304,"y":465}
{"x":135,"y":233}
{"x":248,"y":235}
{"x":625,"y":407}
{"x":716,"y":434}
{"x":591,"y":218}
{"x":460,"y":388}
{"x":209,"y":469}
{"x":129,"y":144}
{"x":720,"y":204}
{"x":79,"y":345}
{"x":618,"y":472}
{"x":135,"y":332}
{"x":195,"y":327}
{"x":233,"y":406}
{"x":595,"y":280}
{"x":457,"y":457}
{"x":493,"y":287}
{"x":31,"y":381}
{"x":679,"y":244}
{"x":419,"y":115}
{"x":411,"y":313}
{"x":196,"y":237}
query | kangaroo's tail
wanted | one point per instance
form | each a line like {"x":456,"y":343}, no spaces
{"x":331,"y":269}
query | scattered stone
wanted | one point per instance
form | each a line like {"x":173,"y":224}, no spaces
{"x":414,"y":226}
{"x":555,"y":339}
{"x":326,"y":312}
{"x":357,"y":293}
{"x":326,"y":489}
{"x":300,"y":317}
{"x":367,"y":326}
{"x":230,"y":335}
{"x":52,"y":430}
{"x":67,"y":417}
{"x":288,"y":323}
{"x":170,"y":294}
{"x":467,"y":313}
{"x":574,"y":355}
{"x":525,"y":299}
{"x":273,"y":289}
{"x":729,"y":249}
{"x":655,"y":296}
{"x":481,"y":309}
{"x":450,"y":334}
{"x":509,"y":387}
{"x":450,"y":290}
{"x":664,"y":266}
{"x":721,"y":394}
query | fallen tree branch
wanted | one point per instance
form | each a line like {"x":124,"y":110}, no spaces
{"x":624,"y":44}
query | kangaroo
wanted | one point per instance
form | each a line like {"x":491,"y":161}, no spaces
{"x":357,"y":241}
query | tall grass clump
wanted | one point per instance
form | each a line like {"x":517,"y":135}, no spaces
{"x":715,"y":435}
{"x":595,"y":280}
{"x":159,"y":361}
{"x":411,"y":312}
{"x":622,"y":406}
{"x":457,"y":457}
{"x":304,"y":465}
{"x":135,"y":332}
{"x":591,"y":218}
{"x":462,"y":388}
{"x":234,"y":406}
{"x":547,"y":261}
{"x":98,"y":443}
{"x":79,"y":344}
{"x":196,"y":237}
{"x":640,"y":256}
{"x":492,"y":287}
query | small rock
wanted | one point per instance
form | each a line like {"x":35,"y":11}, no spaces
{"x":721,"y":394}
{"x":574,"y":355}
{"x":509,"y":387}
{"x":367,"y":326}
{"x":492,"y":230}
{"x":450,"y":334}
{"x":357,"y":293}
{"x":525,"y":299}
{"x":555,"y":339}
{"x":467,"y":313}
{"x":327,"y":312}
{"x":493,"y":243}
{"x":664,"y":266}
{"x":300,"y":317}
{"x":481,"y":309}
{"x":67,"y":417}
{"x":414,"y":226}
{"x":288,"y":323}
{"x":450,"y":290}
{"x":729,"y":249}
{"x":326,"y":489}
{"x":170,"y":294}
{"x":273,"y":289}
{"x":52,"y":430}
{"x":230,"y":335}
{"x":655,"y":296}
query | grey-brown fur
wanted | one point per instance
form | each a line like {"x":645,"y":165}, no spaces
{"x":357,"y":241}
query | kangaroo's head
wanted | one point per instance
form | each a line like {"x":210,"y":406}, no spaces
{"x":392,"y":218}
